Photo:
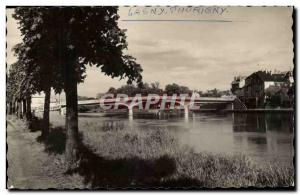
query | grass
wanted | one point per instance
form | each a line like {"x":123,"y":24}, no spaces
{"x":209,"y":170}
{"x":116,"y":157}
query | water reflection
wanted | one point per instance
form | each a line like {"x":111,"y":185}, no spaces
{"x":257,"y":140}
{"x":265,"y":136}
{"x":262,"y":122}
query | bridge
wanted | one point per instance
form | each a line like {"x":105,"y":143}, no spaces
{"x":179,"y":103}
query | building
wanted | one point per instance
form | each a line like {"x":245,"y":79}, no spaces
{"x":254,"y":91}
{"x":261,"y":87}
{"x":38,"y":99}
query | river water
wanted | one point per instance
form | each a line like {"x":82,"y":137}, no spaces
{"x":265,"y":137}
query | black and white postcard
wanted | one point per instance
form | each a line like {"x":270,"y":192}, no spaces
{"x":150,"y":97}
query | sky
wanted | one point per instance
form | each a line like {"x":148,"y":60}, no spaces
{"x":199,"y":47}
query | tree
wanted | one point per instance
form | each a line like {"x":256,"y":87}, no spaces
{"x":185,"y":90}
{"x":144,"y":89}
{"x":275,"y":100}
{"x":19,"y":89}
{"x":171,"y":89}
{"x":12,"y":88}
{"x":128,"y":89}
{"x":152,"y":88}
{"x":155,"y":85}
{"x":155,"y":89}
{"x":81,"y":36}
{"x":111,"y":90}
{"x":174,"y":88}
{"x":37,"y":75}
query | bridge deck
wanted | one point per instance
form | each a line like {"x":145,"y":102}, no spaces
{"x":187,"y":99}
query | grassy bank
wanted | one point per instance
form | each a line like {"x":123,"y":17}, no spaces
{"x":179,"y":165}
{"x":117,"y":157}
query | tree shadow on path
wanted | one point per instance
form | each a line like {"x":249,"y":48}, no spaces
{"x":55,"y":142}
{"x":35,"y":124}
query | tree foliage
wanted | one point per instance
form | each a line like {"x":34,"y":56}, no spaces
{"x":59,"y":42}
{"x":174,"y":88}
{"x":153,"y":88}
{"x":88,"y":34}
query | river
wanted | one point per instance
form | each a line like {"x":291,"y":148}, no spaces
{"x":265,"y":137}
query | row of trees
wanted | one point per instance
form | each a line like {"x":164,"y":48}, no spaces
{"x":154,"y":88}
{"x":144,"y":89}
{"x":18,"y":95}
{"x":57,"y":45}
{"x":214,"y":93}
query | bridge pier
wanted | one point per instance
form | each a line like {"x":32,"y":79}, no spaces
{"x":63,"y":111}
{"x":130,"y":115}
{"x":186,"y":112}
{"x":130,"y":112}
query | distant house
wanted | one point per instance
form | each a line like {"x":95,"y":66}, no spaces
{"x":37,"y":101}
{"x":290,"y":77}
{"x":254,"y":93}
{"x":237,"y":85}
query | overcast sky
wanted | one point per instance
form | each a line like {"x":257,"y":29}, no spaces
{"x":203,"y":52}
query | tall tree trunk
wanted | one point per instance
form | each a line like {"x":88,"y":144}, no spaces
{"x":46,"y":118}
{"x":24,"y":108}
{"x":9,"y":107}
{"x":16,"y":108}
{"x":72,"y":141}
{"x":13,"y":107}
{"x":19,"y":108}
{"x":28,"y":104}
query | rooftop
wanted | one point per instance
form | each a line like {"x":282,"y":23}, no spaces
{"x":268,"y":76}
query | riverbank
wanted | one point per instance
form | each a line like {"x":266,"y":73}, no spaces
{"x":262,"y":110}
{"x":123,"y":158}
{"x":174,"y":164}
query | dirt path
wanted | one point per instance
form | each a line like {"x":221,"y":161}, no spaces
{"x":29,"y":166}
